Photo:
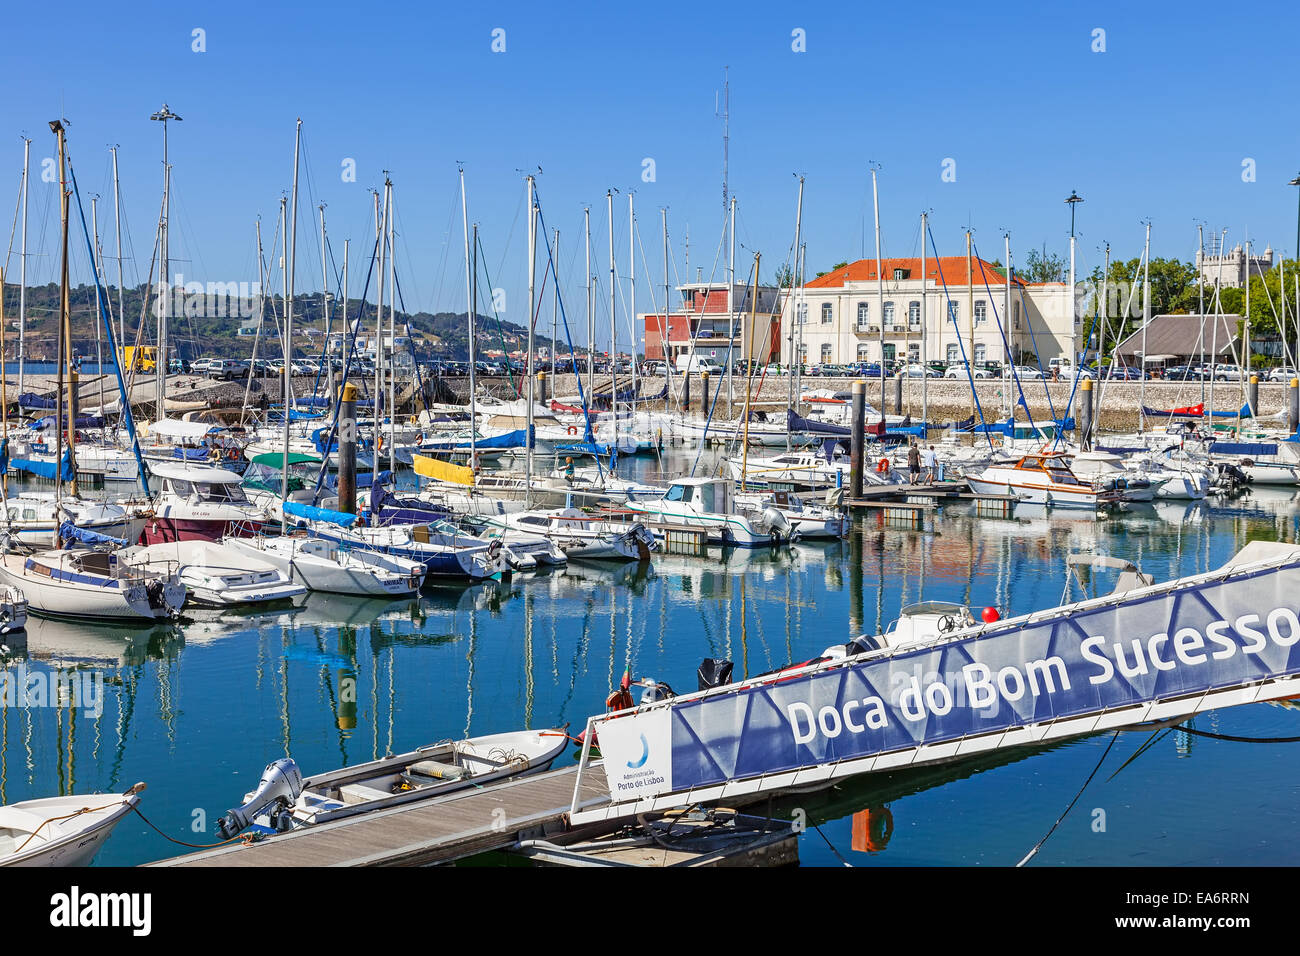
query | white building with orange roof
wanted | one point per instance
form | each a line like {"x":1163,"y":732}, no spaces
{"x":846,"y":315}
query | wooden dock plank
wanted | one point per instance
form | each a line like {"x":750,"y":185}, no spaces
{"x":435,"y":831}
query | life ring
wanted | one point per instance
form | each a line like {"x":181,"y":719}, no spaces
{"x":233,"y":454}
{"x":573,"y":429}
{"x":882,"y":466}
{"x":621,"y":699}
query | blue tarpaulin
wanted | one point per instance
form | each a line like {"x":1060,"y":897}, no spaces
{"x":1250,"y":448}
{"x":70,"y":532}
{"x":45,"y":469}
{"x":312,"y":513}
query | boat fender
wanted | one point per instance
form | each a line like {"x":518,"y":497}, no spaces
{"x":621,"y":699}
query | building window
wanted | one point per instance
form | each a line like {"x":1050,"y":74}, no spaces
{"x":914,"y":352}
{"x":864,"y":314}
{"x":862,"y":351}
{"x":954,"y":312}
{"x":828,"y":313}
{"x":826,"y":352}
{"x":980,"y":352}
{"x":900,"y":274}
{"x":891,"y":351}
{"x":981,"y":310}
{"x":1017,"y":314}
{"x":914,"y":314}
{"x":889,"y":314}
{"x":954,"y":354}
{"x":803,"y":355}
{"x":803,"y":313}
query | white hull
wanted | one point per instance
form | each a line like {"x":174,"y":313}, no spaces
{"x":61,"y":831}
{"x":321,"y":565}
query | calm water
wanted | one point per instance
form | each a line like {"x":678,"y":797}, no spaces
{"x":197,"y":710}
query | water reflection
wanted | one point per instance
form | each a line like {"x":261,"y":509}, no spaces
{"x":334,"y":680}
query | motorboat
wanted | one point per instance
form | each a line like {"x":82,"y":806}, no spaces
{"x":200,"y":503}
{"x":1043,"y":478}
{"x":216,"y":575}
{"x":61,"y":831}
{"x":322,"y":565}
{"x":709,"y":505}
{"x":587,"y":536}
{"x":284,"y":800}
{"x":807,"y":520}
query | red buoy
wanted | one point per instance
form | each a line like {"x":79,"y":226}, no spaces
{"x":991,"y":615}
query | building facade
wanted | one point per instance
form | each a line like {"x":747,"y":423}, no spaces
{"x":845,"y":315}
{"x":1228,"y":269}
{"x":714,"y":324}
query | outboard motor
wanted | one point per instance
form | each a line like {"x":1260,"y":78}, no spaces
{"x":655,"y":691}
{"x":281,"y":783}
{"x":714,"y":672}
{"x":775,"y":522}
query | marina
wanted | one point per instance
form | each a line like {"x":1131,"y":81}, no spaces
{"x":462,"y":447}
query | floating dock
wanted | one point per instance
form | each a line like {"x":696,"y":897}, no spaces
{"x":439,"y":830}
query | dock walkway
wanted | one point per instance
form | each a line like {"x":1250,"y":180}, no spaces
{"x":439,"y":830}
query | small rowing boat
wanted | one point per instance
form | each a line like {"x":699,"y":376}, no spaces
{"x":61,"y":831}
{"x":284,"y":801}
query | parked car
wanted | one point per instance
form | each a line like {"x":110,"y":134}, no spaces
{"x":1127,"y":373}
{"x":201,"y":366}
{"x":1182,"y":373}
{"x":958,"y":370}
{"x":655,"y":368}
{"x":1283,"y":373}
{"x":1024,"y":372}
{"x":228,"y":369}
{"x":916,"y":370}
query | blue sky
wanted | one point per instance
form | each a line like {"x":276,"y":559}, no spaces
{"x":1158,"y":125}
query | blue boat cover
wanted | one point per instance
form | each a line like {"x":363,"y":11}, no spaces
{"x":32,"y":400}
{"x":45,"y":469}
{"x":70,"y":532}
{"x":1255,"y":448}
{"x":312,"y":513}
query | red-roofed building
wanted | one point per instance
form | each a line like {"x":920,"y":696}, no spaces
{"x":706,"y":322}
{"x":847,"y":315}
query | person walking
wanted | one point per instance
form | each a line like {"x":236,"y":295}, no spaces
{"x":913,"y":462}
{"x":931,"y":462}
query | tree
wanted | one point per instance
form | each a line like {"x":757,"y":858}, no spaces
{"x":784,"y":276}
{"x":1044,"y":267}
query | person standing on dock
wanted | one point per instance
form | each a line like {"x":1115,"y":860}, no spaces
{"x":913,"y":462}
{"x":931,"y":462}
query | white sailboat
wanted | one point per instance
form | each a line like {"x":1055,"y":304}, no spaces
{"x":322,"y":565}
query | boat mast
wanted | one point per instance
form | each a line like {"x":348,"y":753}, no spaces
{"x":325,"y":302}
{"x":880,"y":288}
{"x":22,"y":272}
{"x":469,"y":318}
{"x":591,"y":310}
{"x":663,"y":338}
{"x":117,"y":225}
{"x":288,"y":326}
{"x":731,"y":303}
{"x":531,"y":369}
{"x":95,"y":267}
{"x":794,"y":277}
{"x":164,"y":116}
{"x":749,"y":374}
{"x":613,"y":328}
{"x":380,"y":231}
{"x":555,"y":307}
{"x":1146,"y":320}
{"x":631,"y":299}
{"x":925,"y":387}
{"x":1200,"y":295}
{"x":65,"y":404}
{"x":1006,"y":321}
{"x":392,"y":332}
